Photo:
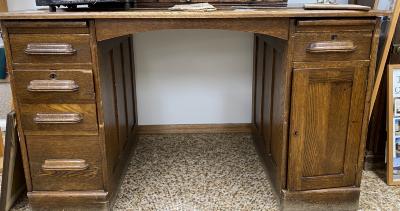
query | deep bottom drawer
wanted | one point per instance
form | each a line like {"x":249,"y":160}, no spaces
{"x":65,"y":163}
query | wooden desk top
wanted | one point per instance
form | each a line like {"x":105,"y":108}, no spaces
{"x":165,"y":14}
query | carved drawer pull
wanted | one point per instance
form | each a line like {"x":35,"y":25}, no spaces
{"x":49,"y":49}
{"x":64,"y":118}
{"x":53,"y":86}
{"x":331,"y":47}
{"x":65,"y":165}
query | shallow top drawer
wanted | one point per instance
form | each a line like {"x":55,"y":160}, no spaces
{"x":49,"y":49}
{"x":332,"y":46}
{"x":335,"y":25}
{"x":47,"y":27}
{"x":56,"y":86}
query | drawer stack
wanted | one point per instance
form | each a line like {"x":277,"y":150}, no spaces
{"x":329,"y":105}
{"x":52,"y":80}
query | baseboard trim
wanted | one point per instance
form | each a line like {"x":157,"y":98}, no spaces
{"x":69,"y":200}
{"x":195,"y":128}
{"x":346,"y":198}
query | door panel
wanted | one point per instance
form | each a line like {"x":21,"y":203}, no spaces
{"x":326,"y":119}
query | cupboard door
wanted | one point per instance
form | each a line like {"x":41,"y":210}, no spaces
{"x":326,"y":120}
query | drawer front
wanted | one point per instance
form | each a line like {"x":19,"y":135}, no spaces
{"x":45,"y":49}
{"x":47,"y":27}
{"x":332,"y":46}
{"x":60,"y":163}
{"x":56,"y":86}
{"x":58,"y":119}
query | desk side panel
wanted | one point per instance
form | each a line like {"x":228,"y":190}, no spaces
{"x":271,"y":104}
{"x":118,"y":108}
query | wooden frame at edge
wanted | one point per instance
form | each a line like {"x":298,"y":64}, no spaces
{"x":3,"y":6}
{"x":389,"y":122}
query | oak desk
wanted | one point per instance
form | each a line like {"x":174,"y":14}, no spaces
{"x":73,"y":83}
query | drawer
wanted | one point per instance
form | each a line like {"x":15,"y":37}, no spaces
{"x":56,"y":86}
{"x":335,"y":25}
{"x":332,"y":46}
{"x":47,"y":27}
{"x":36,"y":49}
{"x":58,"y":119}
{"x":60,"y":163}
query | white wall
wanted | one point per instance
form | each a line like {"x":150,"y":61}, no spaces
{"x":21,"y":4}
{"x":194,"y":76}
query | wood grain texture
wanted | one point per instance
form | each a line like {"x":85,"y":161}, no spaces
{"x":335,"y":25}
{"x":87,"y":126}
{"x":107,"y":29}
{"x":195,"y":128}
{"x":157,"y":14}
{"x":334,"y":22}
{"x":361,"y":41}
{"x":47,"y":27}
{"x":335,"y":198}
{"x":368,"y":97}
{"x":99,"y":101}
{"x":80,"y":43}
{"x":3,"y":6}
{"x":327,"y":113}
{"x":375,"y":148}
{"x":13,"y":181}
{"x":54,"y":24}
{"x":69,"y":200}
{"x":118,"y":107}
{"x":22,"y":142}
{"x":271,"y":94}
{"x":83,"y":78}
{"x":259,"y":83}
{"x":42,"y":148}
{"x":327,"y":100}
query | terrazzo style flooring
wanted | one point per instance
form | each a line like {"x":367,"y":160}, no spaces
{"x":196,"y":172}
{"x":213,"y":172}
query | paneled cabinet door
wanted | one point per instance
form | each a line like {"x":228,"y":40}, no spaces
{"x":326,"y":120}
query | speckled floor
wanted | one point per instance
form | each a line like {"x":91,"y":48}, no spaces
{"x":213,"y":172}
{"x":196,"y":172}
